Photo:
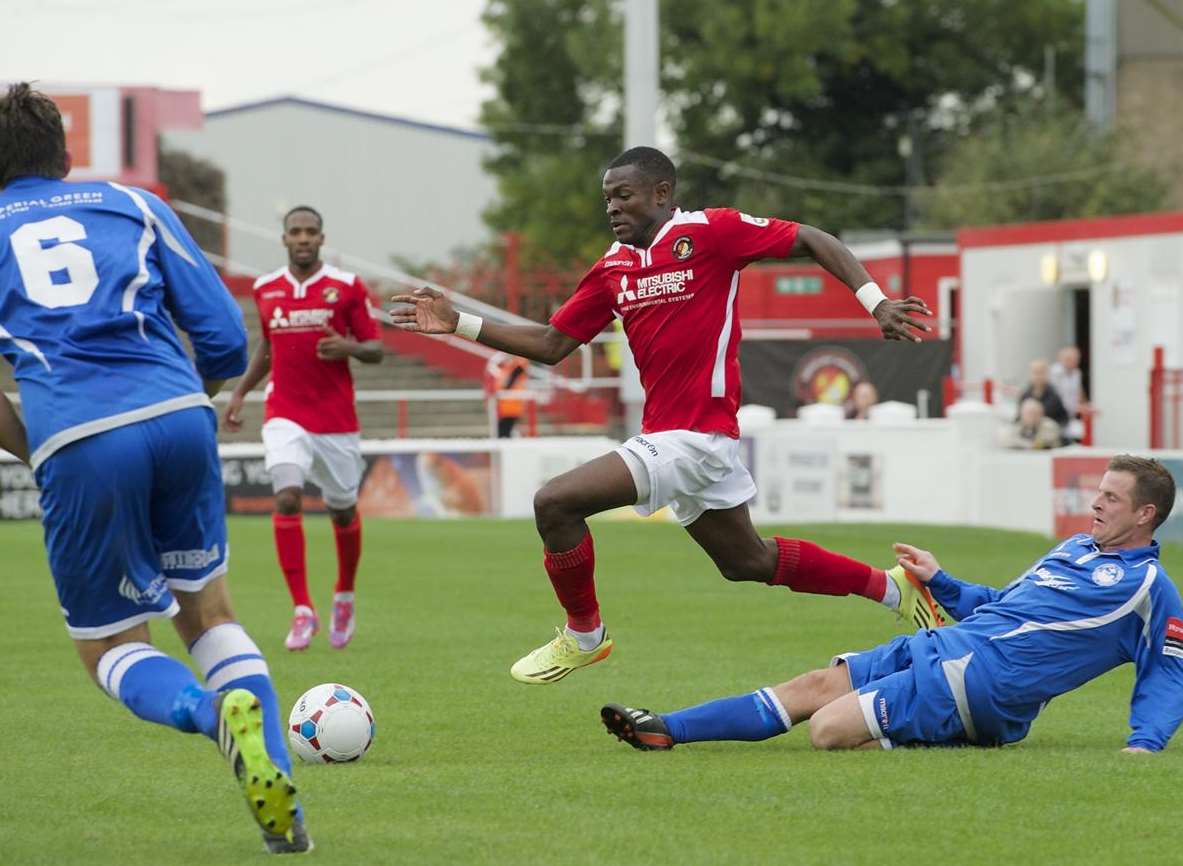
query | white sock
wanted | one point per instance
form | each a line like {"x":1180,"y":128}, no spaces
{"x":891,"y":596}
{"x":587,"y":640}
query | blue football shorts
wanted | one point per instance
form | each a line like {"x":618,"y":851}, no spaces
{"x":130,"y":515}
{"x":903,"y":693}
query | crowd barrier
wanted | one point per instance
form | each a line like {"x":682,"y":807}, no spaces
{"x":945,"y":471}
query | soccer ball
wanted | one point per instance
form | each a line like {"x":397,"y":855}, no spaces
{"x":330,"y":723}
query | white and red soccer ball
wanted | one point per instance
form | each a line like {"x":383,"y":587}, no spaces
{"x":330,"y":723}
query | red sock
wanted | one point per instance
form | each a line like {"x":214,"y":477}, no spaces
{"x":289,"y":544}
{"x":805,"y":567}
{"x":572,"y":574}
{"x":348,"y":540}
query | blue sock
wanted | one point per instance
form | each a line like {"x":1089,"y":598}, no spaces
{"x":229,"y":659}
{"x":156,"y":687}
{"x":755,"y":716}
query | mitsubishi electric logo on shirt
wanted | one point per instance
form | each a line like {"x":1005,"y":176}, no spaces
{"x":298,"y":320}
{"x":656,"y":289}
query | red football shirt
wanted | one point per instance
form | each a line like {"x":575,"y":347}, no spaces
{"x":316,"y":394}
{"x":678,"y":301}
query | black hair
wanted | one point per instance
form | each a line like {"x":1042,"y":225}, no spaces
{"x":652,"y":163}
{"x":304,"y":208}
{"x":32,"y":138}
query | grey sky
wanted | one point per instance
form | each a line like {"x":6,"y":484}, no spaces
{"x":411,"y":58}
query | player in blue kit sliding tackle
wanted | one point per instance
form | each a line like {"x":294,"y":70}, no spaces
{"x":1092,"y":603}
{"x":121,"y":438}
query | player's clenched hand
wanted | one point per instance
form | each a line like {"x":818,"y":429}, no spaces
{"x":429,"y":312}
{"x":919,"y":563}
{"x":332,"y":346}
{"x":894,"y":321}
{"x":232,"y":417}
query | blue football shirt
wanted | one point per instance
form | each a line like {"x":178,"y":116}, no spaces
{"x":93,"y":277}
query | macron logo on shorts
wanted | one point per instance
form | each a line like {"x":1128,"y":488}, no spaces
{"x":149,"y":595}
{"x":180,"y":560}
{"x":646,"y":444}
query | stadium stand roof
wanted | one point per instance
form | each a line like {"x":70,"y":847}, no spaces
{"x":341,"y":109}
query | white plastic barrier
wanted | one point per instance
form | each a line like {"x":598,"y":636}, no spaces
{"x":942,"y":471}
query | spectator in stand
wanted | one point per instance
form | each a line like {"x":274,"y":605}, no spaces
{"x":862,"y":398}
{"x":1041,"y":389}
{"x":1033,"y":430}
{"x":1066,"y":378}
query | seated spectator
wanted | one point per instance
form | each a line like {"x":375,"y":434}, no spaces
{"x":862,"y":398}
{"x":1033,"y":430}
{"x":1041,"y":389}
{"x":1065,"y":377}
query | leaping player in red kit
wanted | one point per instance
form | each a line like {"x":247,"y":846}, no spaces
{"x":311,"y":430}
{"x":672,"y":278}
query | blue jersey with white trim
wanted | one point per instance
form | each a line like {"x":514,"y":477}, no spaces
{"x":1075,"y":614}
{"x":92,"y":278}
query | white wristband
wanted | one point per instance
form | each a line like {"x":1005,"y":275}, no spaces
{"x":869,"y":295}
{"x":468,"y":326}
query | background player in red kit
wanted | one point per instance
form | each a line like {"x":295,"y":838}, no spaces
{"x":314,"y":318}
{"x":672,"y":278}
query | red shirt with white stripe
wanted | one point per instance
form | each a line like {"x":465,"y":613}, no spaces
{"x":678,"y":301}
{"x":316,"y":394}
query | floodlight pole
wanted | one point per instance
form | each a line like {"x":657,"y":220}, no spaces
{"x":641,"y":62}
{"x":641,"y":57}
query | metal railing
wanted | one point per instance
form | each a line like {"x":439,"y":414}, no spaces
{"x":547,"y":378}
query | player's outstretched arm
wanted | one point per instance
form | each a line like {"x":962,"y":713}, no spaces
{"x":893,"y":317}
{"x":12,"y":431}
{"x":958,"y":597}
{"x":256,"y":372}
{"x":430,"y":312}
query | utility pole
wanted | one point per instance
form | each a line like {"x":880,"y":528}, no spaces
{"x":642,"y":56}
{"x":1100,"y":63}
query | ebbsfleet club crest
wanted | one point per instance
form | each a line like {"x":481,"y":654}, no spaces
{"x":1108,"y":574}
{"x":331,"y":294}
{"x":683,"y":248}
{"x":826,"y":375}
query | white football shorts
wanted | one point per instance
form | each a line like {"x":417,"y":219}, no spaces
{"x":688,"y":471}
{"x":331,"y":461}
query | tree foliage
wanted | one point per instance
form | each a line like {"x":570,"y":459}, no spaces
{"x":197,"y":181}
{"x":1084,"y":173}
{"x":799,"y":109}
{"x":555,"y":120}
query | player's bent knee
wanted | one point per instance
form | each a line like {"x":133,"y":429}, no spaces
{"x":823,"y":733}
{"x":289,"y":500}
{"x":550,"y":506}
{"x":745,"y":568}
{"x":839,"y":725}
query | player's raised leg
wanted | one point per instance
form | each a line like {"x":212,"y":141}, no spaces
{"x":561,"y":509}
{"x":740,"y":554}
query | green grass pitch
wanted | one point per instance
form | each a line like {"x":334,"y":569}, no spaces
{"x":470,"y":767}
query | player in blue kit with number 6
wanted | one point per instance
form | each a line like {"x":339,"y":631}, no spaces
{"x":121,"y":438}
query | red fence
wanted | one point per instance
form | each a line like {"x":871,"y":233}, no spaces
{"x":1166,"y":404}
